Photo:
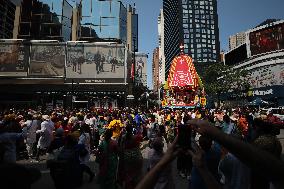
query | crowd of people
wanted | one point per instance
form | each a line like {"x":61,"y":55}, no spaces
{"x":214,"y":148}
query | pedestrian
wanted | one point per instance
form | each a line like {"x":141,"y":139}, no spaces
{"x":107,"y":158}
{"x":131,"y":160}
{"x":45,"y":133}
{"x":165,"y":180}
{"x":84,"y":156}
{"x":31,"y":127}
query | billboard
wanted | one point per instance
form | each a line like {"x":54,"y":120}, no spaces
{"x":267,"y":39}
{"x":95,"y":63}
{"x":267,"y":76}
{"x":47,"y":60}
{"x":236,"y":55}
{"x":141,"y":68}
{"x":14,"y":56}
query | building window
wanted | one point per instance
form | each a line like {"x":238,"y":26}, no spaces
{"x":184,"y":2}
{"x":185,"y":25}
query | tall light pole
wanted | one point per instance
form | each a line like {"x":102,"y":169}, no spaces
{"x":134,"y":61}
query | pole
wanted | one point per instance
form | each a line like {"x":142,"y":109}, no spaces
{"x":72,"y":93}
{"x":134,"y":63}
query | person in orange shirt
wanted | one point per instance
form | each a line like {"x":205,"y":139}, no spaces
{"x":243,"y":125}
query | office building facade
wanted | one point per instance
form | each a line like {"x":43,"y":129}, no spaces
{"x":161,"y":23}
{"x":197,"y":22}
{"x":45,"y":20}
{"x":155,"y":70}
{"x":103,"y":21}
{"x":237,"y":40}
{"x":7,"y":15}
{"x":45,"y":72}
{"x":132,"y":29}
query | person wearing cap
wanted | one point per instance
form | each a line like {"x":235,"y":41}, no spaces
{"x":45,"y":132}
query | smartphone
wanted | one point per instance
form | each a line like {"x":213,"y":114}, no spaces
{"x":184,"y":136}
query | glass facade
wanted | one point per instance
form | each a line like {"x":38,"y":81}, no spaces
{"x":45,"y":20}
{"x":200,"y":30}
{"x":7,"y":15}
{"x":135,"y":32}
{"x":103,"y":20}
{"x":195,"y":24}
{"x":172,"y":32}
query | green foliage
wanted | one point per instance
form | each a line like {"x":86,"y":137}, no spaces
{"x":219,"y":78}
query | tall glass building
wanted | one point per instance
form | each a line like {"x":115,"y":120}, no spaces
{"x":45,"y":20}
{"x":103,"y":20}
{"x":197,"y":23}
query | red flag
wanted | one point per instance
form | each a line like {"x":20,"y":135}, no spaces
{"x":132,"y":71}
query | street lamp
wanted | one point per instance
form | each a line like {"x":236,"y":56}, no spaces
{"x":147,"y":103}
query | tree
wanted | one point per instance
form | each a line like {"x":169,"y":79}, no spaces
{"x":221,"y":79}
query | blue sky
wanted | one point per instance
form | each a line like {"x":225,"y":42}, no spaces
{"x":234,"y":16}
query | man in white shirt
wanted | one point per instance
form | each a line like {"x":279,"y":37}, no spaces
{"x":46,"y":132}
{"x":31,"y":127}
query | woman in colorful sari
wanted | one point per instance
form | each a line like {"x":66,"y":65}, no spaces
{"x":108,"y":160}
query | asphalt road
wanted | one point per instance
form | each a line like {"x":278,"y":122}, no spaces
{"x":46,"y":182}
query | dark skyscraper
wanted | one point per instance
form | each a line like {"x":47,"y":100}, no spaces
{"x":195,"y":24}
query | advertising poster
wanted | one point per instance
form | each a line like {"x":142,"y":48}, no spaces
{"x":47,"y":60}
{"x":95,"y":63}
{"x":267,"y":39}
{"x":141,"y":68}
{"x":13,"y":58}
{"x":267,"y":76}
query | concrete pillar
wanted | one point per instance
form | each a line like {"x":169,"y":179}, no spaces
{"x":17,"y":21}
